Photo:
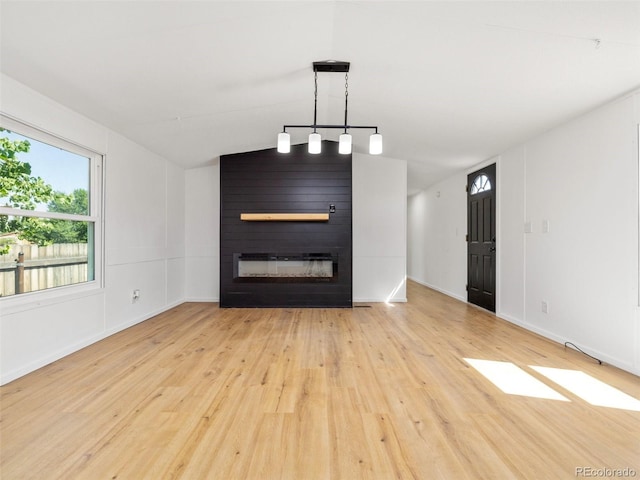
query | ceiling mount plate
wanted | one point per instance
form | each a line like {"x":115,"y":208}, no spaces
{"x":331,"y":66}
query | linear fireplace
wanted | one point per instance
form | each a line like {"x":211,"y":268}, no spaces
{"x":285,"y":268}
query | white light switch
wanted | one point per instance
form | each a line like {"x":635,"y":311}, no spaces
{"x":528,"y":227}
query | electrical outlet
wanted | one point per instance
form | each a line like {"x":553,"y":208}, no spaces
{"x":545,"y":226}
{"x":544,"y":306}
{"x":135,"y":296}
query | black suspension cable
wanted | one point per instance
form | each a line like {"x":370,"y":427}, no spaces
{"x":346,"y":97}
{"x":315,"y":102}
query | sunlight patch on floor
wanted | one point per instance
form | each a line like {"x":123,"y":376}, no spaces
{"x":513,"y":380}
{"x":590,"y":389}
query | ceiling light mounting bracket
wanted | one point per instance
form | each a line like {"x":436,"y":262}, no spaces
{"x":331,"y":66}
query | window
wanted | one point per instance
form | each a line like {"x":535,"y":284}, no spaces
{"x":480,"y":184}
{"x":50,"y":207}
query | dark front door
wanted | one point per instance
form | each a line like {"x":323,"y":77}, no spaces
{"x":481,"y":240}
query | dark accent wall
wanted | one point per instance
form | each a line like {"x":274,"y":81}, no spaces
{"x":266,"y":181}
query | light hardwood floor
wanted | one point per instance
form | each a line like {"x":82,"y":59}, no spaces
{"x":378,"y":392}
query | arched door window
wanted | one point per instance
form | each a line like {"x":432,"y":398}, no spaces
{"x":480,"y":184}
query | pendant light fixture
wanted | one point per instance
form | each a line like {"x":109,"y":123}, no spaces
{"x":345,"y":140}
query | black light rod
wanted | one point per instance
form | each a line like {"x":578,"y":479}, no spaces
{"x":370,"y":127}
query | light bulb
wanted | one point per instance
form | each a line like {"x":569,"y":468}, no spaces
{"x":344,"y":146}
{"x":375,"y":144}
{"x":284,"y":142}
{"x":315,"y":145}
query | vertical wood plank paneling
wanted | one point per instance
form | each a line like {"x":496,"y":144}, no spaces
{"x":268,"y":182}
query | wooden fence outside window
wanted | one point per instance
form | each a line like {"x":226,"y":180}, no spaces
{"x":28,"y":268}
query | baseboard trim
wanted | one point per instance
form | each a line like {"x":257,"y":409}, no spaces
{"x":68,"y":350}
{"x":202,"y":299}
{"x":606,"y":359}
{"x":437,"y":289}
{"x":379,"y":300}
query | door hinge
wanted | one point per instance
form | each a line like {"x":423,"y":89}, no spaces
{"x":466,"y":237}
{"x":466,"y":188}
{"x":466,"y":287}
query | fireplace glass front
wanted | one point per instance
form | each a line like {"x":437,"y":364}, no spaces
{"x":299,"y":267}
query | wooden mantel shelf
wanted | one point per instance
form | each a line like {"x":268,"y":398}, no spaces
{"x":284,"y":217}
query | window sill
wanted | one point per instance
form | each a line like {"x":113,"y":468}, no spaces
{"x":44,"y":298}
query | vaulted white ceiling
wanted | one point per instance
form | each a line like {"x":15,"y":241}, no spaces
{"x":450,"y":84}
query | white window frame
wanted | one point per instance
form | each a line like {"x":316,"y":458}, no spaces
{"x":26,"y":300}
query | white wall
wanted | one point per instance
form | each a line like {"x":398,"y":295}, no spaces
{"x":144,"y":233}
{"x":510,"y":237}
{"x":379,"y":230}
{"x":144,"y":244}
{"x":203,"y":234}
{"x":436,"y":237}
{"x":582,"y":178}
